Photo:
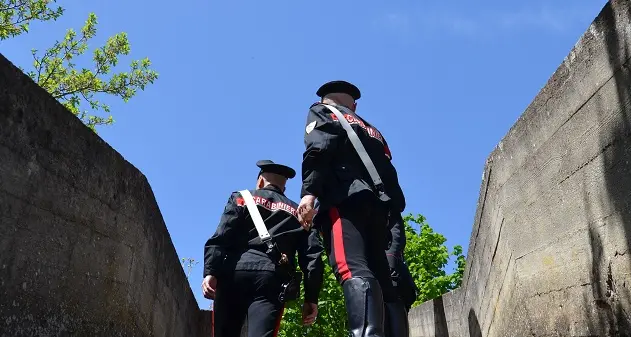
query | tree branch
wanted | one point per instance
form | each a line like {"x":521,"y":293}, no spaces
{"x":14,"y":7}
{"x":23,"y":18}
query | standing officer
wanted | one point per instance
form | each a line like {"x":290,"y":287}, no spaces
{"x":352,"y":217}
{"x":401,"y":278}
{"x":241,"y":275}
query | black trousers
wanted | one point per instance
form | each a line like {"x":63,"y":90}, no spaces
{"x":355,"y":238}
{"x":247,"y":294}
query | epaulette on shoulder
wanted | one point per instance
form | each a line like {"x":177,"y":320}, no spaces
{"x":238,"y":198}
{"x":317,"y":107}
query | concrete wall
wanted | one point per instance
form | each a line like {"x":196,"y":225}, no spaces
{"x":84,"y":250}
{"x":549,"y":251}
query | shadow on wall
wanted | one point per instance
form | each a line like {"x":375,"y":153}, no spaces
{"x":474,"y":325}
{"x":440,"y":319}
{"x":610,"y":289}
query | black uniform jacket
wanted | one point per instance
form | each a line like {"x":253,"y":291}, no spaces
{"x":332,"y":169}
{"x":236,"y":244}
{"x":397,"y":239}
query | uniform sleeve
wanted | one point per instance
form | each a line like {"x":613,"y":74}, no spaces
{"x":321,"y":139}
{"x":216,"y":247}
{"x":397,"y":230}
{"x":386,"y":149}
{"x":310,"y":260}
{"x":396,"y":176}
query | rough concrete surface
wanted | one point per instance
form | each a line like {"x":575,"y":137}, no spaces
{"x":84,"y":250}
{"x":549,"y":250}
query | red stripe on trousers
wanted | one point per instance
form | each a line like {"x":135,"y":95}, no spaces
{"x":280,"y":318}
{"x":212,"y":320}
{"x":338,"y":245}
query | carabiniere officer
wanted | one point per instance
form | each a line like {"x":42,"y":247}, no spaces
{"x":353,"y":213}
{"x":240,"y":274}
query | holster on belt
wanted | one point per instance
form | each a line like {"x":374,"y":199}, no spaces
{"x":289,"y":277}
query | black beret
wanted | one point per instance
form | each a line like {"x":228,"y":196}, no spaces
{"x":270,"y":166}
{"x":339,"y":86}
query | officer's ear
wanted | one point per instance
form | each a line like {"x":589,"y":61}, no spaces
{"x":260,"y":183}
{"x":354,"y":106}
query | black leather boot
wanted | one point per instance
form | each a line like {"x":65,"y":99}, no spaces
{"x":364,"y":307}
{"x":397,"y":324}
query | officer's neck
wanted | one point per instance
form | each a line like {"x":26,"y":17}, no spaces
{"x":333,"y":102}
{"x":273,"y":187}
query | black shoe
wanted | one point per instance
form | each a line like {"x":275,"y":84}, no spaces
{"x":397,"y":324}
{"x":364,"y":307}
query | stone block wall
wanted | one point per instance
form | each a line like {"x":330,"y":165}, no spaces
{"x":84,"y":250}
{"x":549,"y":251}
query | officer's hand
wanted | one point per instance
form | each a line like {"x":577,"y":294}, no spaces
{"x":209,"y":284}
{"x":309,"y":313}
{"x":306,"y":212}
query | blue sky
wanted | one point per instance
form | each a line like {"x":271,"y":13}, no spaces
{"x":443,"y":82}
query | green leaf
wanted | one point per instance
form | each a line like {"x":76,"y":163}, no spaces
{"x":83,"y":90}
{"x":17,"y":15}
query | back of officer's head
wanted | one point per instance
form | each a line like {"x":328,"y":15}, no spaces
{"x":340,"y":98}
{"x":268,"y":178}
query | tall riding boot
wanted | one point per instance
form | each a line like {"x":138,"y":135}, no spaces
{"x":397,"y":324}
{"x":364,"y":307}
